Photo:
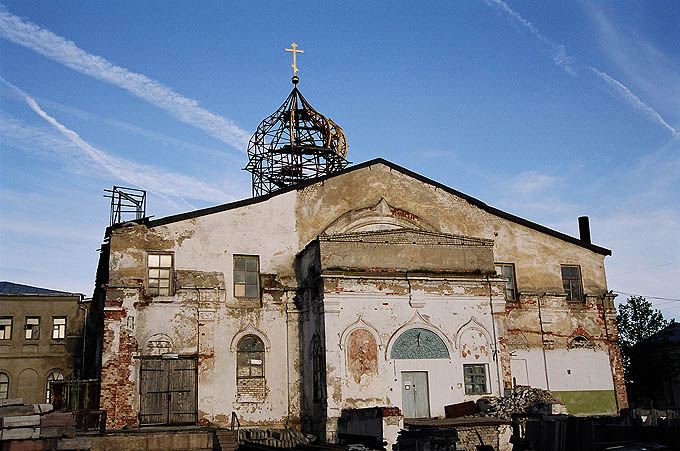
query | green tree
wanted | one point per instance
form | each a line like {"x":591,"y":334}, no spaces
{"x":636,"y":320}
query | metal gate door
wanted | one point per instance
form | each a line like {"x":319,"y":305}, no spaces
{"x":415,"y":394}
{"x":167,"y":391}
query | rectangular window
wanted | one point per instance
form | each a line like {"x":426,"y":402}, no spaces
{"x":58,"y":327}
{"x":246,"y":276}
{"x":475,"y":379}
{"x":571,"y":281}
{"x":5,"y":328}
{"x":507,"y":271}
{"x":32,"y":328}
{"x":159,"y":280}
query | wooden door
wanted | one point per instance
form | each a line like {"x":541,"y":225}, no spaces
{"x":168,"y":391}
{"x":415,"y":394}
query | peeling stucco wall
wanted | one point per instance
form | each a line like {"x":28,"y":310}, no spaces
{"x":298,"y":303}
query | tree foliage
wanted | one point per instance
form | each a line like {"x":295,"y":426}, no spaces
{"x":636,"y":320}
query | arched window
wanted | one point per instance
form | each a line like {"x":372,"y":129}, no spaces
{"x":4,"y":385}
{"x":54,"y":375}
{"x":250,"y":380}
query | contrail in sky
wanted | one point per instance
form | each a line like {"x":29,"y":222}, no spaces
{"x":634,"y":100}
{"x":559,"y":54}
{"x":69,"y":54}
{"x":146,"y":176}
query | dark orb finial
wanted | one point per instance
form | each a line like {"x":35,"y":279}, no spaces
{"x":295,"y":79}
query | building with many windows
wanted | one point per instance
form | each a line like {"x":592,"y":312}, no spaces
{"x":40,"y":340}
{"x":368,"y":285}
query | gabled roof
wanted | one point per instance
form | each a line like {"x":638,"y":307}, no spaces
{"x":17,"y":289}
{"x":395,"y":167}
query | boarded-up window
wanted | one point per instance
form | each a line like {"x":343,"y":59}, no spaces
{"x":250,"y":381}
{"x":362,"y":355}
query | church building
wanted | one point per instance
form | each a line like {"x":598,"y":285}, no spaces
{"x":339,"y":287}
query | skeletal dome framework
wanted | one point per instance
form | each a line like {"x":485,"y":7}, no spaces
{"x":295,"y":143}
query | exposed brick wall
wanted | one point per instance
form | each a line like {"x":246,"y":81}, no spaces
{"x":117,"y":393}
{"x":469,"y":439}
{"x":251,"y":388}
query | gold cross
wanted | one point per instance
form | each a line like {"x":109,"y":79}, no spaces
{"x":294,"y":50}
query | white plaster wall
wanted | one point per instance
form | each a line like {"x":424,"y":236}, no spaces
{"x":590,"y":369}
{"x":387,"y":315}
{"x":208,"y":243}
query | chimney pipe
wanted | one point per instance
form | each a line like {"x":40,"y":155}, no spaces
{"x":584,"y":228}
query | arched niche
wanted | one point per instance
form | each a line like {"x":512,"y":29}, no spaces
{"x":474,"y":342}
{"x":158,"y":344}
{"x":362,"y":355}
{"x":380,"y":216}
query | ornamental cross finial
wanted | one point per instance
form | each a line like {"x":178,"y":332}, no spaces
{"x":294,"y":50}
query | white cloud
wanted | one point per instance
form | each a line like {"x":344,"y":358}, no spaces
{"x":69,"y":54}
{"x":645,"y":67}
{"x":531,"y":182}
{"x":159,"y":181}
{"x":634,"y":100}
{"x":559,"y":53}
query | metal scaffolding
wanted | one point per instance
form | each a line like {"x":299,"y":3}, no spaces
{"x":126,"y":204}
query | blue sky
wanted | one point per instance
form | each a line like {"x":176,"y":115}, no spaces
{"x":547,"y":110}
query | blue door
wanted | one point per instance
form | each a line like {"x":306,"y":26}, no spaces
{"x":415,"y":394}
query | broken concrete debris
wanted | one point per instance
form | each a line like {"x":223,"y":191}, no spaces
{"x":35,"y":426}
{"x":521,"y":400}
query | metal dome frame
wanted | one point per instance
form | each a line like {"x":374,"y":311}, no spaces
{"x":293,"y":144}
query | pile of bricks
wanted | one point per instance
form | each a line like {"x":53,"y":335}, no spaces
{"x":28,"y":427}
{"x":278,"y":438}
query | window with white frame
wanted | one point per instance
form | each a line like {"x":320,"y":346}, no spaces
{"x":507,"y":272}
{"x":571,"y":281}
{"x":32,"y":328}
{"x":6,"y":328}
{"x":246,"y":276}
{"x":159,"y":276}
{"x":475,"y":379}
{"x":58,"y":327}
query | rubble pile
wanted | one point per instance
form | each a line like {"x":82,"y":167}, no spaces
{"x":279,"y":438}
{"x":521,"y":400}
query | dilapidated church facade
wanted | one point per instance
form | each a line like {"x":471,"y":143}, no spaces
{"x":366,"y":286}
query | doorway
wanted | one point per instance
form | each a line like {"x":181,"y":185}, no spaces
{"x":415,"y":394}
{"x":168,"y":391}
